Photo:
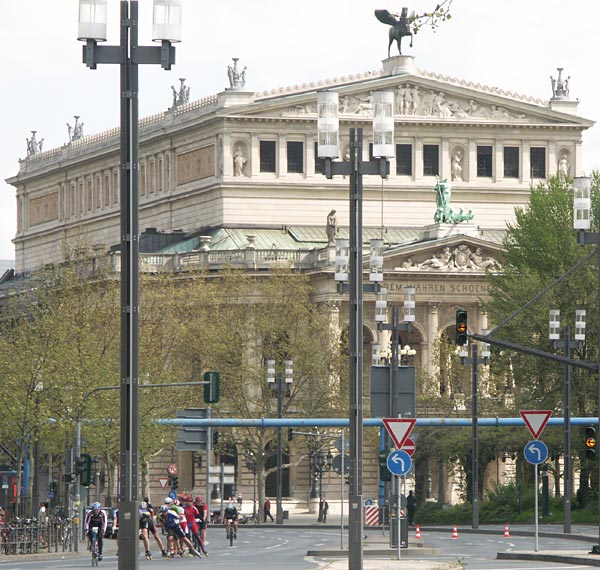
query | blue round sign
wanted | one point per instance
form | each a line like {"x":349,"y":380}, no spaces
{"x":399,"y":462}
{"x":535,"y":452}
{"x":173,"y":495}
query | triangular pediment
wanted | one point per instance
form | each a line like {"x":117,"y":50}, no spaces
{"x":454,"y":254}
{"x":419,"y":97}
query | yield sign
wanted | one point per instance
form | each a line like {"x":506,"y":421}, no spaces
{"x":399,"y":429}
{"x":163,"y":481}
{"x":536,"y":420}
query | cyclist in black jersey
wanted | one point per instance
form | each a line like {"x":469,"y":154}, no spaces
{"x":96,"y":517}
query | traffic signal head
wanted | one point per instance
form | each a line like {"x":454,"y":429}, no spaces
{"x":84,"y":469}
{"x":384,"y":472}
{"x":174,"y":482}
{"x":461,"y":327}
{"x":290,"y":434}
{"x":590,"y":442}
{"x":212,"y":388}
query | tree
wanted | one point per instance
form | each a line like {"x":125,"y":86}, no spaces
{"x":540,"y":247}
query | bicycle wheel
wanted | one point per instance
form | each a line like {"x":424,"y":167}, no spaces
{"x":231,"y":535}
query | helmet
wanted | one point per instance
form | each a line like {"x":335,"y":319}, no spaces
{"x":199,"y":498}
{"x":164,"y":508}
{"x":168,"y":500}
{"x":96,"y":505}
{"x":143,"y":505}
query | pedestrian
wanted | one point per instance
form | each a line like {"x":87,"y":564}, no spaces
{"x":411,"y":507}
{"x":324,"y":509}
{"x":239,"y":501}
{"x":267,"y":510}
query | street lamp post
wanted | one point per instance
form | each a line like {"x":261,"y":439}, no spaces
{"x":321,"y":463}
{"x":128,"y":55}
{"x":582,"y":221}
{"x":568,"y":345}
{"x":355,"y":168}
{"x":276,"y":382}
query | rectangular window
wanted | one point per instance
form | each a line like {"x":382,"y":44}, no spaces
{"x":404,"y":159}
{"x":295,"y":156}
{"x":159,"y":176}
{"x":267,"y":156}
{"x":431,"y":160}
{"x":116,"y":187}
{"x":143,"y":180}
{"x":511,"y":162}
{"x":537,"y":157}
{"x":484,"y":161}
{"x":90,"y":195}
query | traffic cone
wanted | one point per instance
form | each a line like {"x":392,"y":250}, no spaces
{"x":454,"y":532}
{"x":506,"y":531}
{"x":417,"y":531}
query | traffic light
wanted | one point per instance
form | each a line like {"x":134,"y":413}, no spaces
{"x":212,"y":388}
{"x":84,"y":469}
{"x":215,"y":437}
{"x":174,"y":482}
{"x":384,"y":472}
{"x":590,"y":442}
{"x":290,"y":434}
{"x":461,"y":327}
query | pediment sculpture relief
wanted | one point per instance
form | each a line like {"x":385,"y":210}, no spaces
{"x":459,"y":258}
{"x":415,"y":101}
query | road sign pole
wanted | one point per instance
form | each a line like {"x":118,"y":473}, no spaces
{"x":535,"y":507}
{"x":398,"y":521}
{"x":209,"y":437}
{"x":342,"y":480}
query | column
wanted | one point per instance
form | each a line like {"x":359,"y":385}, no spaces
{"x":525,"y":163}
{"x":432,"y":335}
{"x":281,"y":156}
{"x":472,"y":163}
{"x":255,"y":155}
{"x":225,"y":142}
{"x":418,"y":159}
{"x":445,"y":168}
{"x":552,"y":162}
{"x":499,"y":161}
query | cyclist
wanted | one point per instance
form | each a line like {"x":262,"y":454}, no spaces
{"x":231,"y":515}
{"x":144,"y":523}
{"x":96,"y":517}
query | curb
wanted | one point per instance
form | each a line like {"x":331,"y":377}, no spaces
{"x":557,"y":558}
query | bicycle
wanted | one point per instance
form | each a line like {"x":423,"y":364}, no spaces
{"x":94,"y":545}
{"x":230,"y":531}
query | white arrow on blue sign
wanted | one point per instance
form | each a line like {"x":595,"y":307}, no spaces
{"x":536,"y":452}
{"x":399,"y":462}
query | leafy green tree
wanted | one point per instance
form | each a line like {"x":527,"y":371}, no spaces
{"x":540,"y":247}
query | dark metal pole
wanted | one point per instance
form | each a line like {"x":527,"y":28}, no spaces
{"x":475,"y":452}
{"x":355,"y":520}
{"x":279,"y":514}
{"x":128,"y":488}
{"x":568,"y":484}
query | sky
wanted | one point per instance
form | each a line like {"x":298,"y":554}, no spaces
{"x":515,"y":45}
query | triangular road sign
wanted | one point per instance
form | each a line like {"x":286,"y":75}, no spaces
{"x":536,"y":420}
{"x":163,"y":481}
{"x":399,"y":429}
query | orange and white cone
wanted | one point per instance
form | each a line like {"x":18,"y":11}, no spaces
{"x":417,"y":531}
{"x":454,"y":532}
{"x":506,"y":531}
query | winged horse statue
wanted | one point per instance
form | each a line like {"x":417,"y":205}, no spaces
{"x":400,"y":26}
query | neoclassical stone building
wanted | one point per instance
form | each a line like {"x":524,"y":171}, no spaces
{"x":234,"y":177}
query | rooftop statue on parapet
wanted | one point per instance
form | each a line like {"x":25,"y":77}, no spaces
{"x":237,"y":79}
{"x":400,"y":27}
{"x":33,"y":146}
{"x":443,"y":211}
{"x":75,"y":131}
{"x":560,"y":87}
{"x":182,"y":96}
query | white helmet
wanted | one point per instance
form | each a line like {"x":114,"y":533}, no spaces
{"x":168,"y":500}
